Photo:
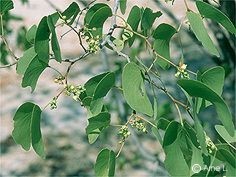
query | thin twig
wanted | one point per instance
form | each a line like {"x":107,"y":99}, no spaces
{"x":79,"y":35}
{"x":152,"y":124}
{"x":113,"y":26}
{"x":56,"y":97}
{"x":78,"y":19}
{"x":157,"y":55}
{"x":56,"y":70}
{"x":121,"y":147}
{"x":9,"y":65}
{"x":186,"y":5}
{"x":81,"y":12}
{"x":8,"y":48}
{"x":68,"y":60}
{"x":72,"y":62}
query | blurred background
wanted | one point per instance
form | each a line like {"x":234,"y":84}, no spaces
{"x":63,"y":129}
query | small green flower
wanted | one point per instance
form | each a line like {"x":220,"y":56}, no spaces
{"x":138,"y":124}
{"x":53,"y":103}
{"x":124,"y":133}
{"x":59,"y":80}
{"x":75,"y":91}
{"x":182,"y":73}
{"x":211,"y":147}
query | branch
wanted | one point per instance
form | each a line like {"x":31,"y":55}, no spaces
{"x":115,"y":9}
{"x":113,"y":25}
{"x":78,"y":34}
{"x":157,"y":55}
{"x":9,"y":65}
{"x":78,"y":19}
{"x":68,"y":60}
{"x":81,"y":12}
{"x":72,"y":62}
{"x":8,"y":48}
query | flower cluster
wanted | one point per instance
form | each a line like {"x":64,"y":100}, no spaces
{"x":59,"y":80}
{"x":138,"y":124}
{"x":211,"y":147}
{"x":53,"y":103}
{"x":124,"y":132}
{"x":74,"y":91}
{"x":93,"y":44}
{"x":93,"y":41}
{"x":182,"y":73}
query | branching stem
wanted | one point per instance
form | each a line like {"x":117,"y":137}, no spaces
{"x":121,"y":147}
{"x":152,"y":124}
{"x":153,"y":50}
{"x":186,"y":5}
{"x":9,"y":65}
{"x":8,"y":48}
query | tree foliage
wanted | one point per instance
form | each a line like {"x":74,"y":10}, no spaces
{"x":185,"y":144}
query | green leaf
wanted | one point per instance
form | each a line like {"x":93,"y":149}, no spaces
{"x":52,"y":19}
{"x":98,"y":86}
{"x":200,"y":135}
{"x":164,"y":110}
{"x":157,"y":134}
{"x":71,"y":13}
{"x":134,"y":89}
{"x":42,"y":40}
{"x":32,"y":73}
{"x":6,"y":5}
{"x":97,"y":15}
{"x":101,"y":121}
{"x":31,"y":33}
{"x":197,"y":159}
{"x":226,"y":156}
{"x":91,"y":12}
{"x":230,"y":171}
{"x":103,"y":87}
{"x":171,"y":134}
{"x":225,"y":135}
{"x":105,"y":163}
{"x":123,"y":5}
{"x":27,"y":128}
{"x":148,"y":18}
{"x":162,"y":123}
{"x":25,"y":60}
{"x":127,"y":34}
{"x":92,"y":83}
{"x":208,"y":11}
{"x":164,"y":32}
{"x":172,"y":147}
{"x":200,"y":31}
{"x":119,"y":45}
{"x":174,"y":154}
{"x":134,"y":20}
{"x":213,"y":78}
{"x":162,"y":36}
{"x":95,"y":106}
{"x":191,"y":133}
{"x":185,"y":146}
{"x":198,"y":89}
{"x":92,"y":137}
